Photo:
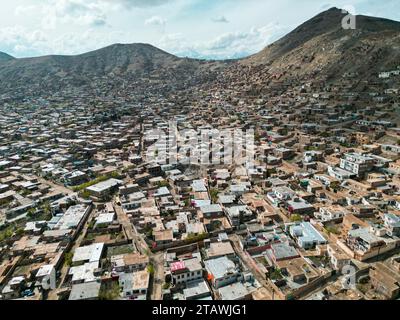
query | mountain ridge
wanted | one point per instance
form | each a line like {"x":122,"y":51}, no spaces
{"x":327,"y":22}
{"x":319,"y":46}
{"x":365,"y":22}
{"x":5,"y":57}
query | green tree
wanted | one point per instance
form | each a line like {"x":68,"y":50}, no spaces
{"x":187,"y":202}
{"x":47,"y":208}
{"x":110,"y":292}
{"x":68,"y":258}
{"x":19,"y":231}
{"x":150,"y":269}
{"x":163,"y":184}
{"x":31,"y":212}
{"x":192,"y":238}
{"x":296,"y":218}
{"x":276,"y":274}
{"x":85,"y":194}
{"x":214,"y":195}
{"x":332,"y":229}
{"x":166,"y":285}
{"x":6,"y":234}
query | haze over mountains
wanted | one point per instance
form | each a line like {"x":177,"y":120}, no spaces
{"x":319,"y":47}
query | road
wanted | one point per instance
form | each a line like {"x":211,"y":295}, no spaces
{"x":55,"y":186}
{"x":156,"y":260}
{"x":123,"y":219}
{"x":53,"y":295}
{"x":269,"y":291}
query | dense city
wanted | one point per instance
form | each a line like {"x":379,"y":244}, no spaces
{"x":86,"y":215}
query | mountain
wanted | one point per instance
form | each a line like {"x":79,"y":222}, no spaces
{"x":322,"y":49}
{"x":318,"y":50}
{"x":5,"y":57}
{"x":113,"y":59}
{"x":122,"y":61}
{"x":325,"y":26}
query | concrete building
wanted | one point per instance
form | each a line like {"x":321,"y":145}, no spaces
{"x":89,"y":254}
{"x":104,"y":189}
{"x":186,"y":271}
{"x":85,"y":291}
{"x":46,"y":277}
{"x":357,"y":163}
{"x":134,"y":285}
{"x":197,"y":290}
{"x":306,"y":235}
{"x":385,"y":280}
{"x":222,"y":272}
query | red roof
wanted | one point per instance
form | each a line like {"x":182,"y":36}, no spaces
{"x":176,"y":266}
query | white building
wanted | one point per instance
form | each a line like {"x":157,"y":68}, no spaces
{"x":357,"y":163}
{"x":306,"y":235}
{"x":222,"y":272}
{"x":104,"y":219}
{"x":331,"y":213}
{"x":46,"y":277}
{"x":338,"y":258}
{"x":134,"y":285}
{"x":86,"y":254}
{"x":186,"y":271}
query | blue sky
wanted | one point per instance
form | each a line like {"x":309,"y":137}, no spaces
{"x":195,"y":28}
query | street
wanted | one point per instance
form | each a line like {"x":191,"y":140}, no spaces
{"x":156,"y":260}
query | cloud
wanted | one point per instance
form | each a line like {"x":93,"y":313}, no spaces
{"x":229,"y":45}
{"x":220,"y":19}
{"x":81,"y":12}
{"x":77,"y":26}
{"x":155,"y":21}
{"x":18,"y":39}
{"x":139,"y":3}
{"x":92,"y":13}
{"x":22,"y":10}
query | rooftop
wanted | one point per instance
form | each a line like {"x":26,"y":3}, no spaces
{"x":105,"y":185}
{"x":220,"y":267}
{"x":85,"y":291}
{"x":235,"y":291}
{"x":307,"y":233}
{"x":196,"y":289}
{"x":90,"y":253}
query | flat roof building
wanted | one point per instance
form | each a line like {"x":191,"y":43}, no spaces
{"x":90,"y":253}
{"x":306,"y":235}
{"x":222,"y":271}
{"x":72,"y":217}
{"x":197,"y":290}
{"x":85,"y":291}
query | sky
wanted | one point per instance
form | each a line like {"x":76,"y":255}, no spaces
{"x":209,"y":29}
